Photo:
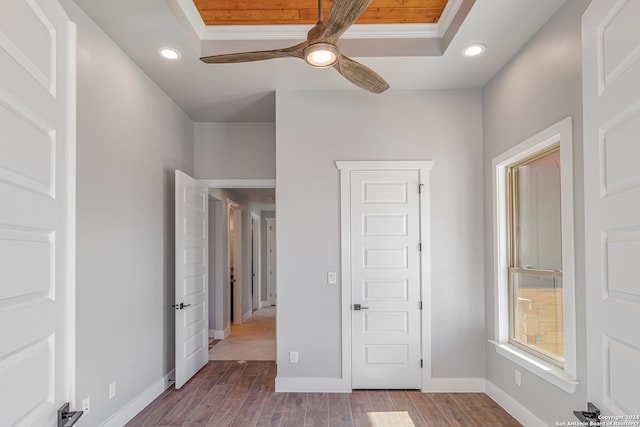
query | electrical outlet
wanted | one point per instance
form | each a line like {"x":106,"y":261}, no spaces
{"x":518,"y":378}
{"x":86,"y":405}
{"x":112,"y":390}
{"x":332,"y":277}
{"x":293,"y":357}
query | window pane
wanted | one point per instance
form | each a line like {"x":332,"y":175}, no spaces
{"x":537,"y":312}
{"x":539,"y":226}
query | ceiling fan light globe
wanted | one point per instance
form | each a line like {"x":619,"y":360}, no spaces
{"x":321,"y":55}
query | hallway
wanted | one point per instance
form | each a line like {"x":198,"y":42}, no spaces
{"x":253,"y":340}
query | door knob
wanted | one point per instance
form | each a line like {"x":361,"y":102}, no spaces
{"x":358,"y":307}
{"x":180,"y":306}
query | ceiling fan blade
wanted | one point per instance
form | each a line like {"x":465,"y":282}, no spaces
{"x":360,"y":75}
{"x":342,"y":14}
{"x":232,"y":58}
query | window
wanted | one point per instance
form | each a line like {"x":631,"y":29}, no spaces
{"x":534,"y":290}
{"x":535,"y":254}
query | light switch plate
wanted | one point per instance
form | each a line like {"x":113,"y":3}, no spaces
{"x":332,"y":277}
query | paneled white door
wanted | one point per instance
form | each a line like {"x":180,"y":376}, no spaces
{"x":611,"y":95}
{"x":37,"y":204}
{"x":192,"y":277}
{"x":385,"y":279}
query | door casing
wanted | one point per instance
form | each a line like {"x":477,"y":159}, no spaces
{"x":345,"y":168}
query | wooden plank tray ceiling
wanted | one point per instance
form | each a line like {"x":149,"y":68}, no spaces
{"x":287,"y":12}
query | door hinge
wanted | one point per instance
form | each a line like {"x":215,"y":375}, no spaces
{"x":420,"y":305}
{"x":66,"y":417}
{"x":419,"y":247}
{"x":421,"y":363}
{"x":590,"y":417}
{"x":420,"y":188}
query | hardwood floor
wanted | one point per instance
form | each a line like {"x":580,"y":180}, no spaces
{"x":255,"y":339}
{"x":228,"y":393}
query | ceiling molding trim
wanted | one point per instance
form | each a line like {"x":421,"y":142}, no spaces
{"x":299,"y":32}
{"x":192,"y":15}
{"x":448,"y":15}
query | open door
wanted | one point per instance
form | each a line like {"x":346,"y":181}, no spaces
{"x":611,"y":94}
{"x":192,"y":271}
{"x":37,"y":213}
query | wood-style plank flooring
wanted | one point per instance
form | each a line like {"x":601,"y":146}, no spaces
{"x":228,"y":393}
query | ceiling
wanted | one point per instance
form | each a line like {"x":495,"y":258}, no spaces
{"x":414,"y":57}
{"x":262,"y":199}
{"x":278,"y":12}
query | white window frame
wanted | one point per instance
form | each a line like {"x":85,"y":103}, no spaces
{"x":566,"y":377}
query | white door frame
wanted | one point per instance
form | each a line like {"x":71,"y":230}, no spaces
{"x":345,"y":168}
{"x":256,"y":264}
{"x":272,"y":279}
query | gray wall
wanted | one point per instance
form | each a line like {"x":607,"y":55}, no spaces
{"x":540,"y":86}
{"x":235,"y":150}
{"x":444,"y":126}
{"x":131,"y":137}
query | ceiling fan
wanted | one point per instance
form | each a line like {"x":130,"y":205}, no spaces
{"x":320,"y":50}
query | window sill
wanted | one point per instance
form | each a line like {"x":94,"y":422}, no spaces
{"x":541,"y":368}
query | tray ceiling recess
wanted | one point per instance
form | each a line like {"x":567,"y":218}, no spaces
{"x":387,"y":28}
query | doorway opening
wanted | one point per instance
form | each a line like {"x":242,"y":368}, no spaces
{"x":242,"y":316}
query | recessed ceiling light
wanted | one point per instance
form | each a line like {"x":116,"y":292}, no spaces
{"x":474,"y":50}
{"x":169,"y":53}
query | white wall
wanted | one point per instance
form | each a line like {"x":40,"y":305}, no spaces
{"x":131,"y":137}
{"x":540,"y":86}
{"x":235,"y":150}
{"x":444,"y":126}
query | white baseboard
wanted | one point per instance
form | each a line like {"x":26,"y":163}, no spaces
{"x":218,"y":334}
{"x":309,"y":385}
{"x":264,"y":304}
{"x":512,"y":406}
{"x":337,"y":385}
{"x":247,"y":315}
{"x":134,"y":407}
{"x":454,"y":385}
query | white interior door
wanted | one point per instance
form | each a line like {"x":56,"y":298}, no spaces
{"x":37,"y":205}
{"x":611,"y":95}
{"x":385,"y":279}
{"x":271,"y":260}
{"x":191,"y":284}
